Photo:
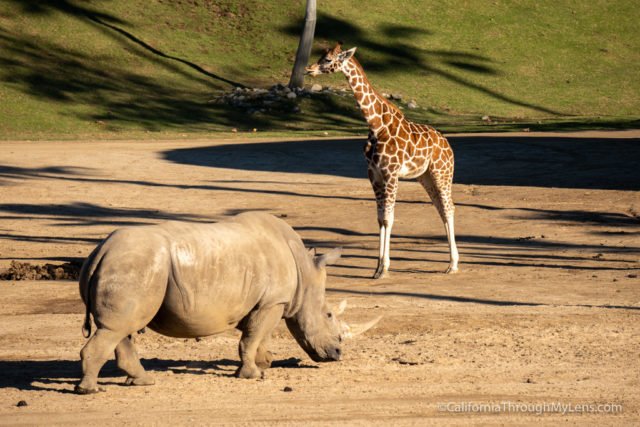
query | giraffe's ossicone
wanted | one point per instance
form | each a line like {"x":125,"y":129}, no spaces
{"x":396,"y":148}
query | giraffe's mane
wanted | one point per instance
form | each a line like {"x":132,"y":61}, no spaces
{"x":393,"y":107}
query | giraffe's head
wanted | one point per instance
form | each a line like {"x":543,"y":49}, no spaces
{"x":332,"y":60}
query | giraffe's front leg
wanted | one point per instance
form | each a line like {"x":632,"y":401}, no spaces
{"x":385,"y":200}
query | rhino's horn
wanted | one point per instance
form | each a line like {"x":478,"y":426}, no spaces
{"x":353,"y":331}
{"x":341,"y":307}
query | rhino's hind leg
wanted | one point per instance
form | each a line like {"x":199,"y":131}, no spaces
{"x":264,"y":358}
{"x":94,"y":355}
{"x":128,"y":360}
{"x":257,"y":327}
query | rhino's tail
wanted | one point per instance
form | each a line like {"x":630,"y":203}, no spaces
{"x":87,"y":282}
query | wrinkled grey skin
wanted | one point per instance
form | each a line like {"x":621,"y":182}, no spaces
{"x":193,"y":280}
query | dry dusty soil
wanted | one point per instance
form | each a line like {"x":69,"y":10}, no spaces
{"x":543,"y":316}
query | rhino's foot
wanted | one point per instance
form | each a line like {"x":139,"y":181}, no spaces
{"x":145,"y":380}
{"x":249,"y":372}
{"x":264,"y":360}
{"x":83,"y":390}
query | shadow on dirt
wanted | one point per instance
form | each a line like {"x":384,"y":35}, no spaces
{"x":38,"y":374}
{"x":561,"y":162}
{"x":453,"y":298}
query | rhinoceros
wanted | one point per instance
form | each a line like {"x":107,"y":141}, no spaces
{"x":191,"y":280}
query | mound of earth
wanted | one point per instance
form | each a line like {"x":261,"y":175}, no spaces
{"x":27,"y":271}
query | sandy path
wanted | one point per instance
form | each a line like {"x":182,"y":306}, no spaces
{"x":545,"y":310}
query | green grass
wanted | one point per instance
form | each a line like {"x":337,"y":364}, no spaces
{"x":141,"y":68}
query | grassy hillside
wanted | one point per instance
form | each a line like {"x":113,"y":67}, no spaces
{"x":116,"y":68}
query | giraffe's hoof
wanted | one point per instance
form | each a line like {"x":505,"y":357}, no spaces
{"x":379,"y":274}
{"x":451,"y":270}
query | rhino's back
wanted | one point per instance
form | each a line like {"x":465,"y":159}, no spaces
{"x":220,"y":272}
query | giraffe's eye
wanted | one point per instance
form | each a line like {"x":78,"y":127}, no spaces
{"x":326,"y":60}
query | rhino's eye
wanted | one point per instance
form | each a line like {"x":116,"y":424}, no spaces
{"x":329,"y":315}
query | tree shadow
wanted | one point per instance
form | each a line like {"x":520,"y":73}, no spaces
{"x":470,"y":300}
{"x":119,"y":95}
{"x":395,"y":53}
{"x":532,"y":161}
{"x":485,"y":251}
{"x":112,"y":25}
{"x":594,"y":218}
{"x":37,"y":374}
{"x":88,"y":214}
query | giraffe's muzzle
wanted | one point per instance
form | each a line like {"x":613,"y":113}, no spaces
{"x":312,"y":70}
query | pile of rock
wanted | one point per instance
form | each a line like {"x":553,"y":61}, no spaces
{"x":278,"y":98}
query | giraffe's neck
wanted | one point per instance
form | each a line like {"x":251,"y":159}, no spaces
{"x":371,"y":103}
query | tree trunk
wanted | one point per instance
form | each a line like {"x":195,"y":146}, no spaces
{"x":304,"y":48}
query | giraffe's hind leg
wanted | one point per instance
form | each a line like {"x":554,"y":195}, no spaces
{"x":437,"y":183}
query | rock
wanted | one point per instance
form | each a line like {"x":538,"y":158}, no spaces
{"x":396,"y":96}
{"x":412,"y":105}
{"x":292,"y":95}
{"x":316,"y":88}
{"x":277,"y":87}
{"x":386,"y":95}
{"x":22,"y":403}
{"x":287,"y":389}
{"x":486,"y":118}
{"x":287,"y":89}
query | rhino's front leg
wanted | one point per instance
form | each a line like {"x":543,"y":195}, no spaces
{"x":256,"y":329}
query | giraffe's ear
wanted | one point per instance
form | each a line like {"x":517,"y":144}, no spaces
{"x":347,"y":54}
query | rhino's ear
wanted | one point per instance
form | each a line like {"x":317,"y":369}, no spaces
{"x":329,"y":258}
{"x":312,"y":251}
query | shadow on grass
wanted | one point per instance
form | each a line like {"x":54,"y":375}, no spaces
{"x":395,"y":53}
{"x":115,"y":96}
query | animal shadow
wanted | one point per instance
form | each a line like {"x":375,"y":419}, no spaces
{"x":49,"y":375}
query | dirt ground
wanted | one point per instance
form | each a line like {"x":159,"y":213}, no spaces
{"x":544,"y":312}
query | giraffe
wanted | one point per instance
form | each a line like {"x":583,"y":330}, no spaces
{"x":396,"y":148}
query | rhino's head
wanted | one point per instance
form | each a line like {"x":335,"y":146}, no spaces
{"x":314,"y":325}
